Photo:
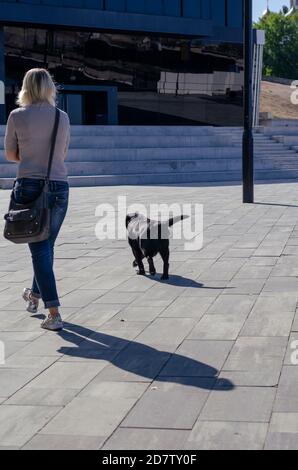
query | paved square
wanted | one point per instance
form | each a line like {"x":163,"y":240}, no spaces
{"x":203,"y":361}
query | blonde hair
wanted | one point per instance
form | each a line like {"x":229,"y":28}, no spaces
{"x":38,"y":86}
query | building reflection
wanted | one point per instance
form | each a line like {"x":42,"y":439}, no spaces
{"x":148,"y":79}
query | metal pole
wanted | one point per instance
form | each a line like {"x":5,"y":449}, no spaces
{"x":2,"y":78}
{"x":248,"y":144}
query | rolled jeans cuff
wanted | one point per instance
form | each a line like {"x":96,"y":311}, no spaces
{"x":51,"y":304}
{"x":36,"y":296}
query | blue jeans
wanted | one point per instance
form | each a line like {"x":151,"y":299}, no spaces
{"x":44,"y":283}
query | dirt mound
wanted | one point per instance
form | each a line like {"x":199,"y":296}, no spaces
{"x":276,"y":99}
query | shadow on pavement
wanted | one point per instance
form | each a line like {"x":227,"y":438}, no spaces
{"x":176,"y":280}
{"x":274,"y":204}
{"x":140,"y":359}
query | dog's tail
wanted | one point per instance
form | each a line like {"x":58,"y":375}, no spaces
{"x":176,"y":219}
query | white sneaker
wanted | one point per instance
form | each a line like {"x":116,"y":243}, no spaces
{"x":32,"y":302}
{"x":53,"y":323}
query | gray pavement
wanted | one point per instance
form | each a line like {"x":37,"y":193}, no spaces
{"x":202,"y":361}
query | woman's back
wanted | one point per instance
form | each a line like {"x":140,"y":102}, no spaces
{"x":28,"y":142}
{"x":29,"y":130}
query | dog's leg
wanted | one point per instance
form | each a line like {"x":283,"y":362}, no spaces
{"x":151,"y":266}
{"x":139,"y":263}
{"x":165,"y":257}
{"x":141,"y":271}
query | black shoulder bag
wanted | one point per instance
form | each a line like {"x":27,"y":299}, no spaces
{"x":30,"y":223}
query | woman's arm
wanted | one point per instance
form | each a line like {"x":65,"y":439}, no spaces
{"x":11,"y":141}
{"x":12,"y":156}
{"x":67,"y":141}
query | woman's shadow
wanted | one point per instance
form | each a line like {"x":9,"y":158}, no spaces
{"x":139,"y":359}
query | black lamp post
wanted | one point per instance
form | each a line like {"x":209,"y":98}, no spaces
{"x":248,"y":143}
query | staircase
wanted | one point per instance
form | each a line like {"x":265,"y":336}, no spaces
{"x":133,"y":155}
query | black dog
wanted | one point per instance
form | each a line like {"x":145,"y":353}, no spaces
{"x":147,"y":238}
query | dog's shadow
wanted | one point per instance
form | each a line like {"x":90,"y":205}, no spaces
{"x":176,"y":280}
{"x":181,"y":281}
{"x":139,"y":360}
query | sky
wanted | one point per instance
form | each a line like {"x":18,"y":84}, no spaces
{"x":274,"y":5}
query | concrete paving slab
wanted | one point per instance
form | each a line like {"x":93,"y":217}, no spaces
{"x":219,"y":327}
{"x":146,"y":439}
{"x":126,"y":350}
{"x":158,"y":407}
{"x":241,"y":404}
{"x":21,"y":423}
{"x":256,"y":361}
{"x":208,"y":435}
{"x":283,"y":432}
{"x":54,"y":442}
{"x":195,"y":358}
{"x":93,"y":416}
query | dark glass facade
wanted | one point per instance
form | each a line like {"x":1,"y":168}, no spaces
{"x":131,"y":78}
{"x":221,"y":12}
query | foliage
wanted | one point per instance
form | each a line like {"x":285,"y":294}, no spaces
{"x":281,"y":49}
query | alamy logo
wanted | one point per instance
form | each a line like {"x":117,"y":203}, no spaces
{"x":294,"y":355}
{"x":111,"y":225}
{"x":2,"y":92}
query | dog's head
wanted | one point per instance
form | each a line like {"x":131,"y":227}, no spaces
{"x":130,"y":217}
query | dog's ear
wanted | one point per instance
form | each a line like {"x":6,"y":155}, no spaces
{"x":127,"y":220}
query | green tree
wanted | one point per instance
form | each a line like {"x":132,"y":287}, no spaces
{"x":281,"y":49}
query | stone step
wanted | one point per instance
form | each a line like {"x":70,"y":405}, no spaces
{"x":157,"y":167}
{"x":141,"y":179}
{"x":271,"y":131}
{"x":279,"y":150}
{"x":160,"y":166}
{"x":282,"y":123}
{"x":128,"y":156}
{"x":147,"y":153}
{"x":90,"y":142}
{"x":281,"y":160}
{"x":134,"y":131}
{"x":279,"y":154}
{"x":168,"y":178}
{"x":264,"y":141}
{"x":238,"y":134}
{"x":286,"y":140}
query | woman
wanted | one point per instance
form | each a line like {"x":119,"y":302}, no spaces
{"x":27,"y":142}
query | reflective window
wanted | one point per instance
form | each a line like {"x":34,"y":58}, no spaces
{"x":223,"y":12}
{"x":235,"y":13}
{"x":192,"y":8}
{"x":115,"y":5}
{"x":172,"y":7}
{"x":219,"y":14}
{"x":140,"y":79}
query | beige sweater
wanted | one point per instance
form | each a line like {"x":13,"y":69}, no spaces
{"x":29,"y":131}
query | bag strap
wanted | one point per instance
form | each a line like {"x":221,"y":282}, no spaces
{"x":53,"y":143}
